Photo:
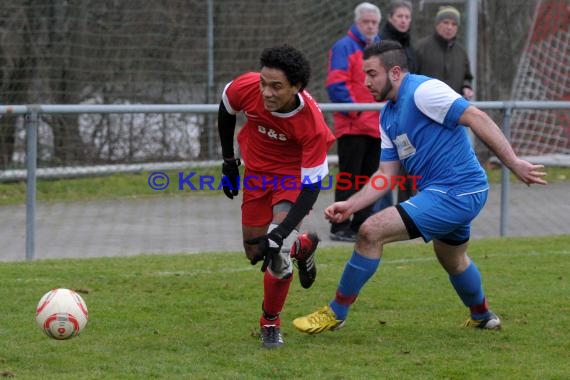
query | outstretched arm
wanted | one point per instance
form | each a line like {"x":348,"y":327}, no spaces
{"x":490,"y":133}
{"x":380,"y":184}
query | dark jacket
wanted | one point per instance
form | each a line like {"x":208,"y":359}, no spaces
{"x":444,"y":60}
{"x":388,"y":32}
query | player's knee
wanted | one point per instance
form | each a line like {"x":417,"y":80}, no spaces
{"x":367,"y":233}
{"x":373,"y":232}
{"x":281,"y":266}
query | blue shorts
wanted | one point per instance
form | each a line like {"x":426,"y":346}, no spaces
{"x":445,"y":215}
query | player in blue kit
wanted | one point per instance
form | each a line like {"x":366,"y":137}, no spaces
{"x":423,"y":129}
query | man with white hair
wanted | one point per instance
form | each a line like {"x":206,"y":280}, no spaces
{"x":357,"y":133}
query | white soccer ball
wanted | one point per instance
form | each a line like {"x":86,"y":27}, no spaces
{"x":61,"y":313}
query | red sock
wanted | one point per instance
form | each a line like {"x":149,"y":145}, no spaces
{"x":275,"y":293}
{"x":479,"y":311}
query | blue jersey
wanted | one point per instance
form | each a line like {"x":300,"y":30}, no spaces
{"x":422,"y":130}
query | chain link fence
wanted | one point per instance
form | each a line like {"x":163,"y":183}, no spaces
{"x":90,"y":52}
{"x":160,"y":67}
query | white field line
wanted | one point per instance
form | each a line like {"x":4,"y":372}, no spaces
{"x":247,"y":268}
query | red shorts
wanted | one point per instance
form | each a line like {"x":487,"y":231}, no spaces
{"x":261,"y":192}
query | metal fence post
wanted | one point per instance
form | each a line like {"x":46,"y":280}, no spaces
{"x":471,"y":37}
{"x":31,"y":120}
{"x":210,"y":85}
{"x":505,"y":173}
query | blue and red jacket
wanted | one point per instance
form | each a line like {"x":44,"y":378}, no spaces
{"x":345,"y":84}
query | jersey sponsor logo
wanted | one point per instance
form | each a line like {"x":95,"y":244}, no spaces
{"x":404,"y":146}
{"x":271,"y":133}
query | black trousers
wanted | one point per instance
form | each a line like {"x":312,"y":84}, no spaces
{"x":357,"y":155}
{"x":408,"y":191}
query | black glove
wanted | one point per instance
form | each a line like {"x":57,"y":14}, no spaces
{"x":269,"y":245}
{"x":231,"y":172}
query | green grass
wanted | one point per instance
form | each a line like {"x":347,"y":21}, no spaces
{"x":136,"y":186}
{"x":196,"y":317}
{"x":123,"y":185}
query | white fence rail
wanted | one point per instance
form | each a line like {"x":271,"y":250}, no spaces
{"x":32,"y":115}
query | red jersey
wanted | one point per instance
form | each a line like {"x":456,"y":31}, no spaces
{"x":294,"y":143}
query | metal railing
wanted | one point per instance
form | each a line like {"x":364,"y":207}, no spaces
{"x":32,"y":117}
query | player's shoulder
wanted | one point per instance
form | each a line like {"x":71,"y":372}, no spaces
{"x":412,"y":84}
{"x":434,"y":98}
{"x":242,"y":92}
{"x":247,"y":78}
{"x":243,"y":85}
{"x":311,"y":106}
{"x":308,"y":99}
{"x":424,"y":86}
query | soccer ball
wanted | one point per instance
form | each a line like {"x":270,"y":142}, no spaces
{"x":61,"y":313}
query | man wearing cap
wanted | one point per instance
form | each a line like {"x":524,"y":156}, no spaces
{"x":441,"y":56}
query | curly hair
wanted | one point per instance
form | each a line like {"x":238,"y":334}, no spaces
{"x":289,"y":60}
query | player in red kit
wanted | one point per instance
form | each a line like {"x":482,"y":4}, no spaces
{"x":284,"y":145}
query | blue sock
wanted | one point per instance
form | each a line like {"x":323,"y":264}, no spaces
{"x":356,"y":273}
{"x":469,"y":287}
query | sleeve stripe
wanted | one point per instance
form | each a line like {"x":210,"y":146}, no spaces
{"x":386,"y":142}
{"x":317,"y":173}
{"x":434,"y":99}
{"x":226,"y":101}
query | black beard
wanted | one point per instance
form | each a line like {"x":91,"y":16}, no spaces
{"x":384,"y":93}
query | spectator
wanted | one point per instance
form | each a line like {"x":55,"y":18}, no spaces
{"x":357,"y":133}
{"x":397,"y":28}
{"x":284,"y":143}
{"x":440,"y":56}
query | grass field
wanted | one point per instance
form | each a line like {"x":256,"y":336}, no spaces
{"x":195,"y":317}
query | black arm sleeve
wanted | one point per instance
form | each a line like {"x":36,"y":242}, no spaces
{"x":305,"y":201}
{"x":226,"y":129}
